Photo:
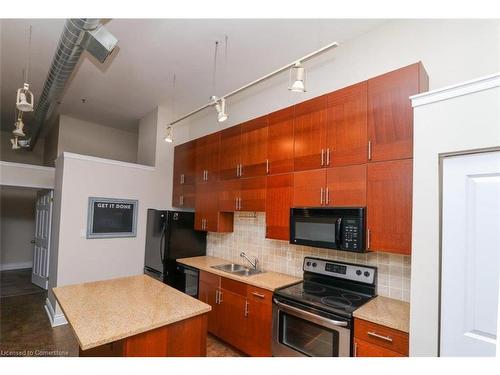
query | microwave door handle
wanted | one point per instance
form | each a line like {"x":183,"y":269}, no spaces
{"x":338,"y":223}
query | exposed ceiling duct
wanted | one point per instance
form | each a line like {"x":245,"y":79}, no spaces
{"x":78,"y":34}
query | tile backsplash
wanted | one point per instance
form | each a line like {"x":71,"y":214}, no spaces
{"x":281,"y":256}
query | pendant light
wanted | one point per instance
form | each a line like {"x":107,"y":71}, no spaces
{"x":19,"y":125}
{"x":168,"y":136}
{"x":297,"y":78}
{"x":15,"y":145}
{"x":220,"y":107}
{"x":25,"y":98}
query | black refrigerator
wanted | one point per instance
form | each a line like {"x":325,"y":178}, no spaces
{"x":170,"y":235}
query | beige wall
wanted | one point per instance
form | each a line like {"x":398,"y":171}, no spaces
{"x":51,"y":144}
{"x":146,"y":147}
{"x":20,"y":156}
{"x":454,"y":125}
{"x":17,"y":227}
{"x":88,"y":138}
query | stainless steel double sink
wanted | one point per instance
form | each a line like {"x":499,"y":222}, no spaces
{"x":237,"y":269}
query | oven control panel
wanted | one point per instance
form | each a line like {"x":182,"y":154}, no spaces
{"x":348,"y":271}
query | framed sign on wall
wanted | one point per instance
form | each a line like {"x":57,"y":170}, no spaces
{"x":111,"y":218}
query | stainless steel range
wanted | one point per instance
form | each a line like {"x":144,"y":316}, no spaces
{"x":314,"y":318}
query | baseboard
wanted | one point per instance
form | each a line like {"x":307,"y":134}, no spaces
{"x":15,"y":266}
{"x":55,"y":320}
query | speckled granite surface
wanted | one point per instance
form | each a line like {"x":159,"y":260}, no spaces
{"x":105,"y":311}
{"x":385,"y":311}
{"x":265,"y":280}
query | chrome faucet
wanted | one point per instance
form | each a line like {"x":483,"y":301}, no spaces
{"x":253,"y":264}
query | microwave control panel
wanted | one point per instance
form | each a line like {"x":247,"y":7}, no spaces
{"x":352,"y":237}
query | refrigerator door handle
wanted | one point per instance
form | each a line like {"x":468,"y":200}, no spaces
{"x":162,"y":243}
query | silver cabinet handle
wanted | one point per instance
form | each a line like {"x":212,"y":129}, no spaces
{"x":367,"y":239}
{"x":267,"y":165}
{"x":239,"y":203}
{"x":182,"y":179}
{"x":241,"y":170}
{"x":369,"y":150}
{"x":301,"y":312}
{"x":237,"y":170}
{"x":220,"y":296}
{"x":216,"y":296}
{"x":206,"y":174}
{"x":236,"y":203}
{"x":381,"y":337}
{"x":259,"y":295}
{"x":181,"y":200}
{"x":355,"y":349}
{"x":327,"y":195}
{"x":321,"y":196}
{"x":246,"y":309}
{"x":327,"y":156}
{"x":322,"y":156}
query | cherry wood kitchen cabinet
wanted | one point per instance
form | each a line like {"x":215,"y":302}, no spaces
{"x":280,"y":141}
{"x":207,"y":159}
{"x":247,"y":194}
{"x":230,"y":148}
{"x":184,"y":186}
{"x":258,"y":316}
{"x":207,"y":216}
{"x":208,"y":292}
{"x":390,"y":114}
{"x":375,"y":340}
{"x":346,"y":130}
{"x":232,"y":307}
{"x":389,"y":206}
{"x":254,"y":135}
{"x":310,"y":134}
{"x":279,"y":200}
{"x":338,"y":186}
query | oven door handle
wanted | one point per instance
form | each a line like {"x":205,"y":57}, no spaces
{"x":307,"y":313}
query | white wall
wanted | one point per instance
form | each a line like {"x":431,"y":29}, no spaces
{"x":88,"y":138}
{"x":454,"y":125}
{"x":451,"y":50}
{"x":17,"y":227}
{"x":146,"y":144}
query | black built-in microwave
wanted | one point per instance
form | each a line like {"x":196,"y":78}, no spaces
{"x":339,"y":228}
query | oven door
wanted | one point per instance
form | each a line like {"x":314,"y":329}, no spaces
{"x":299,"y":333}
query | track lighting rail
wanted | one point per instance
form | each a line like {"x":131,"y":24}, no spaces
{"x":263,"y":78}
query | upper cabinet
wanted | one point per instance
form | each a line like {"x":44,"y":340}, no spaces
{"x":230,"y":146}
{"x":184,"y":186}
{"x":346,"y":130}
{"x":207,"y":158}
{"x":390,"y":114}
{"x":280,"y":141}
{"x":254,"y":135}
{"x":310,"y":150}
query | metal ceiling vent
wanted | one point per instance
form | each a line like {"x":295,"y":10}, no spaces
{"x":78,"y":34}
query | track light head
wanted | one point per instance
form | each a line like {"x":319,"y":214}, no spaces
{"x":24,"y":99}
{"x":220,"y":107}
{"x":15,"y":145}
{"x":297,"y":78}
{"x":168,"y":136}
{"x":19,"y":125}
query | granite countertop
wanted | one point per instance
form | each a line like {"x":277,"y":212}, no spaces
{"x":105,"y":311}
{"x":385,"y":311}
{"x":266,"y":280}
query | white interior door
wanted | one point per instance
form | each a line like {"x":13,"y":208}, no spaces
{"x":41,"y":253}
{"x":470,"y":255}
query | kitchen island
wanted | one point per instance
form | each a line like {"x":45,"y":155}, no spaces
{"x":134,"y":316}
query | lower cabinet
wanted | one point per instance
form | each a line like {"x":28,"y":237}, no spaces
{"x":375,"y":340}
{"x":241,"y":314}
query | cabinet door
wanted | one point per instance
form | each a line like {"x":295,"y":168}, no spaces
{"x":346,"y":186}
{"x":390,"y":114}
{"x":365,"y":349}
{"x":184,"y":175}
{"x":207,"y":291}
{"x":309,"y":188}
{"x":346,"y":137}
{"x":279,"y":199}
{"x":230,"y":149}
{"x":253,"y":194}
{"x":232,"y":315}
{"x":254,"y":147}
{"x":258,"y":328}
{"x":280,"y":141}
{"x":389,"y":206}
{"x":207,"y":158}
{"x":309,"y":134}
{"x":229,"y":193}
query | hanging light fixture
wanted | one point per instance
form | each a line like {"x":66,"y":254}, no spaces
{"x":168,"y":136}
{"x":24,"y":98}
{"x":18,"y":131}
{"x":220,"y":107}
{"x":15,"y":145}
{"x":297,"y":78}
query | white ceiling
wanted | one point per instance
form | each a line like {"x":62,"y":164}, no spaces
{"x":138,"y":76}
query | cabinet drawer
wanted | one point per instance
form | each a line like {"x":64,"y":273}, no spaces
{"x":259,"y":295}
{"x":233,"y":286}
{"x":209,"y":278}
{"x":381,"y":336}
{"x":365,"y":349}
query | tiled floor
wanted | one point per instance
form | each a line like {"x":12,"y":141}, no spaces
{"x":25,"y":329}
